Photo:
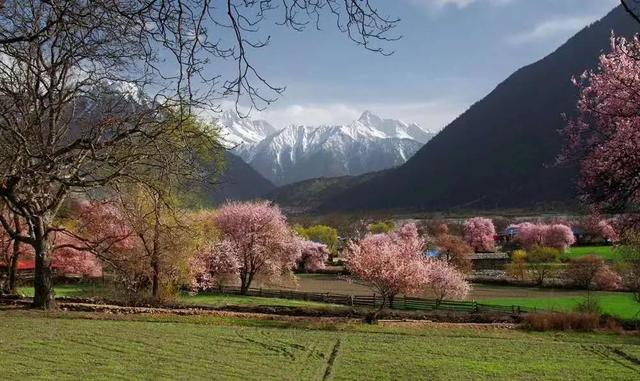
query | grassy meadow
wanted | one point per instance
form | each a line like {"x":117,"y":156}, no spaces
{"x":606,"y":252}
{"x":69,"y":346}
{"x":619,"y":304}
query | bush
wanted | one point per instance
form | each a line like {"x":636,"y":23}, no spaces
{"x":540,"y":262}
{"x":518,"y":266}
{"x":589,"y":305}
{"x":558,"y":321}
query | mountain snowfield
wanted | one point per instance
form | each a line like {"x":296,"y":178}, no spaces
{"x":297,"y":153}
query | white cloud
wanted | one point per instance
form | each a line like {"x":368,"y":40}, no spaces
{"x":431,"y":114}
{"x":552,"y":29}
{"x":439,"y":4}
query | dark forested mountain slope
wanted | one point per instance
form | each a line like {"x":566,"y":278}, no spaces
{"x":238,"y":182}
{"x":500,"y":152}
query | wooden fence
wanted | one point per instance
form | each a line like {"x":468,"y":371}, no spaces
{"x":400,"y":302}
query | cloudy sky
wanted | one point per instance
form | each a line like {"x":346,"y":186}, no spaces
{"x":453,"y":52}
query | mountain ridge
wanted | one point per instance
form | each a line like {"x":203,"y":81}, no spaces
{"x":497,"y":154}
{"x":299,"y":152}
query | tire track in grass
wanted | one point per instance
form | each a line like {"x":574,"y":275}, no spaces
{"x":625,"y":356}
{"x":612,"y":354}
{"x":332,"y":359}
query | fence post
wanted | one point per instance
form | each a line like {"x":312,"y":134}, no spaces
{"x":351,"y":297}
{"x":405,"y":301}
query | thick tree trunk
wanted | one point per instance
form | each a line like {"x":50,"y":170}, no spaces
{"x":391,"y":299}
{"x":42,"y":283}
{"x":245,"y":283}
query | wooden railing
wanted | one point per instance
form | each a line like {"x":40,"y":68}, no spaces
{"x":400,"y":302}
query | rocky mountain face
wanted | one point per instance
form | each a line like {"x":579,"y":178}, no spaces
{"x":298,"y":152}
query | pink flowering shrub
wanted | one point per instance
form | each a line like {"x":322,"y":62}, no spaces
{"x":558,"y":236}
{"x":313,"y":256}
{"x":445,"y":282}
{"x":607,"y":279}
{"x":479,"y":232}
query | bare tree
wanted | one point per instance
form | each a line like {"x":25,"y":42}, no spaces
{"x":90,"y":91}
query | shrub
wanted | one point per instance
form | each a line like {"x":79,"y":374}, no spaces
{"x":455,"y":251}
{"x":381,"y":227}
{"x":560,"y":321}
{"x":518,"y":267}
{"x":589,"y":305}
{"x":540,"y":262}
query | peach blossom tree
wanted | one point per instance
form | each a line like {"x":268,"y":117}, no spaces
{"x":558,"y":236}
{"x":256,"y":243}
{"x":445,"y":282}
{"x":604,"y":135}
{"x":479,"y":232}
{"x":313,"y":255}
{"x":394,"y":263}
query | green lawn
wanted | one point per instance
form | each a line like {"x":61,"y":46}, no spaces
{"x":605,"y":252}
{"x":237,"y":300}
{"x":205,"y":299}
{"x":71,"y":346}
{"x":620,"y":304}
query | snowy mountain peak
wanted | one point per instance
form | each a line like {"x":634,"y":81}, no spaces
{"x":369,"y":118}
{"x":241,"y":133}
{"x":393,"y":128}
{"x":300,"y":152}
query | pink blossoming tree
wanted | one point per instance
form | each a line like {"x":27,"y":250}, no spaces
{"x":256,"y":240}
{"x":445,"y":282}
{"x":605,"y":134}
{"x":393,"y":263}
{"x":479,"y":232}
{"x":313,"y":256}
{"x":558,"y":236}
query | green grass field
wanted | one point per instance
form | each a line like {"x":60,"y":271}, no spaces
{"x":619,"y":304}
{"x":605,"y":252}
{"x":71,"y":346}
{"x":205,"y":299}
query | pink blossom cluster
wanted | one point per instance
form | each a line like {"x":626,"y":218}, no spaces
{"x":393,"y":263}
{"x":313,"y":256}
{"x":104,"y":226}
{"x":445,"y":282}
{"x":607,"y":279}
{"x":215,"y":265}
{"x":71,"y":256}
{"x":558,"y":236}
{"x":480,"y":233}
{"x":605,"y":135}
{"x":256,"y":242}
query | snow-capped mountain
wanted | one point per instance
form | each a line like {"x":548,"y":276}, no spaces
{"x":368,"y":144}
{"x":393,"y":128}
{"x":241,"y":134}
